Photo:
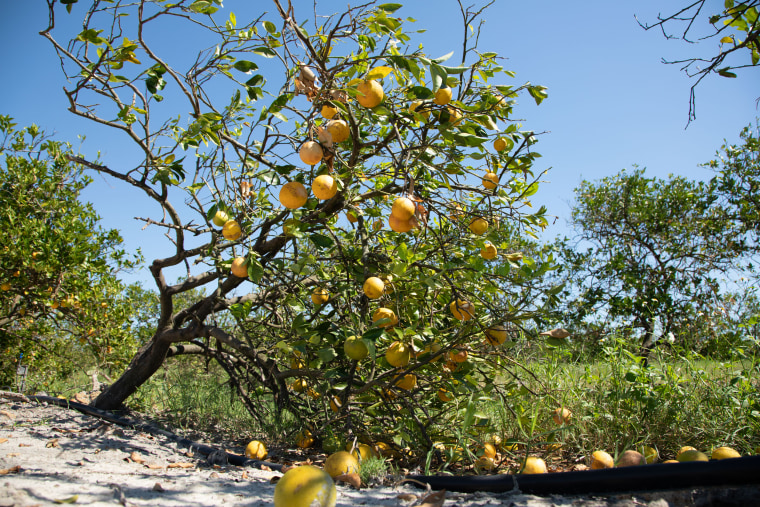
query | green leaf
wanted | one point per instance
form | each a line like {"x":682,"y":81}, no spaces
{"x":269,"y":177}
{"x":265,"y":52}
{"x":255,"y":270}
{"x":270,"y":27}
{"x":725,"y":72}
{"x":91,"y":35}
{"x":390,"y":7}
{"x":321,"y":241}
{"x":438,"y":74}
{"x":245,"y":66}
{"x":327,"y":354}
{"x":443,"y":58}
{"x":538,"y":93}
{"x":420,"y":92}
{"x":455,"y":70}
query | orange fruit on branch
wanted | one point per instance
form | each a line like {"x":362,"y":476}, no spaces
{"x":370,"y":93}
{"x":311,"y":153}
{"x":462,"y":310}
{"x":231,"y":230}
{"x":293,"y":195}
{"x":324,"y":187}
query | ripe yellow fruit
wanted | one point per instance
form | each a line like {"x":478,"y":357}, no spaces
{"x":239,"y":267}
{"x":311,"y":153}
{"x":388,"y":281}
{"x":462,"y":310}
{"x":362,"y":452}
{"x":425,"y":112}
{"x":293,"y":195}
{"x":496,"y":335}
{"x":692,"y":455}
{"x":299,"y":385}
{"x":398,"y":354}
{"x":650,"y":454}
{"x":534,"y":465}
{"x":500,"y":144}
{"x":488,"y":252}
{"x":305,"y":486}
{"x":442,"y":96}
{"x":684,"y":449}
{"x":385,"y":313}
{"x":329,"y":111}
{"x":724,"y":453}
{"x":431,"y":349}
{"x":220,"y":218}
{"x":231,"y":230}
{"x":458,"y":356}
{"x":370,"y":93}
{"x":373,"y":287}
{"x":398,"y":225}
{"x":484,"y":464}
{"x":444,"y":395}
{"x":339,"y":131}
{"x":304,"y":439}
{"x":403,"y":208}
{"x":479,"y":226}
{"x":601,"y":459}
{"x":324,"y":187}
{"x":562,"y":416}
{"x":352,"y":216}
{"x":490,"y":180}
{"x":335,"y":404}
{"x":320,"y":296}
{"x":341,"y":463}
{"x":453,"y":116}
{"x":7,"y":286}
{"x":355,"y":348}
{"x":488,"y":450}
{"x":255,"y":450}
{"x":407,"y":382}
{"x":631,"y":459}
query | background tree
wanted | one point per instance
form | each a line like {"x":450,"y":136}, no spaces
{"x":657,"y":250}
{"x":58,"y":271}
{"x":736,"y":29}
{"x":389,"y":122}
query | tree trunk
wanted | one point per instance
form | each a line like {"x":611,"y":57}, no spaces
{"x":146,"y":362}
{"x":648,"y":343}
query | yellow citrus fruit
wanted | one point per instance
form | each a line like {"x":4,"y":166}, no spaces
{"x":490,"y":180}
{"x":488,"y":450}
{"x":320,"y":296}
{"x":425,"y":112}
{"x":500,"y":144}
{"x":534,"y":465}
{"x":335,"y":404}
{"x":324,"y":187}
{"x":370,"y":93}
{"x":601,"y":459}
{"x":479,"y":226}
{"x":293,"y":195}
{"x":377,"y":225}
{"x":725,"y":452}
{"x":239,"y":267}
{"x":304,"y":439}
{"x":296,"y":363}
{"x":488,"y":252}
{"x":329,"y":111}
{"x":341,"y":463}
{"x":631,"y":459}
{"x":562,"y":415}
{"x":231,"y":230}
{"x":388,"y":281}
{"x":444,"y":395}
{"x":442,"y":96}
{"x":339,"y":131}
{"x":299,"y":385}
{"x":403,"y":208}
{"x":398,"y":225}
{"x":407,"y":382}
{"x":305,"y":486}
{"x":7,"y":286}
{"x":398,"y":354}
{"x":385,"y":313}
{"x":352,"y":216}
{"x":355,"y":348}
{"x":684,"y":449}
{"x":462,"y":310}
{"x":484,"y":464}
{"x":255,"y":450}
{"x":453,"y":116}
{"x":458,"y":356}
{"x":496,"y":335}
{"x":373,"y":287}
{"x":692,"y":455}
{"x":220,"y":218}
{"x":362,"y":452}
{"x":650,"y":454}
{"x":431,"y":349}
{"x":310,"y":153}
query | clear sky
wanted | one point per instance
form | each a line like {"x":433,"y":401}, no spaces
{"x":612,"y":102}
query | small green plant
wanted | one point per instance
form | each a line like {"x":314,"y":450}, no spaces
{"x":373,"y":470}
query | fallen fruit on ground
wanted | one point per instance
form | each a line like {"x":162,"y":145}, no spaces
{"x":304,"y":439}
{"x":220,"y":218}
{"x":324,"y":187}
{"x":724,"y":453}
{"x":398,"y":354}
{"x":255,"y":450}
{"x":311,"y":153}
{"x":479,"y":226}
{"x":305,"y":486}
{"x":320,"y":296}
{"x":562,"y":415}
{"x":692,"y":455}
{"x":631,"y":459}
{"x":362,"y":452}
{"x":370,"y":93}
{"x":355,"y":348}
{"x":340,"y":463}
{"x":684,"y":449}
{"x":462,"y":310}
{"x":534,"y":465}
{"x":231,"y":230}
{"x":442,"y":96}
{"x":601,"y":459}
{"x":488,"y":450}
{"x":373,"y":287}
{"x":293,"y":195}
{"x":484,"y":464}
{"x":650,"y":454}
{"x":239,"y":267}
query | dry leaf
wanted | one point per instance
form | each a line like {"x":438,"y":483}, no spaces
{"x":7,"y":414}
{"x":434,"y":499}
{"x":557,"y":333}
{"x":71,"y":499}
{"x":189,"y":454}
{"x":3,"y":440}
{"x":244,"y":475}
{"x":157,"y":487}
{"x":407,"y":497}
{"x":52,"y":443}
{"x":136,"y":458}
{"x":353,"y":479}
{"x":11,"y":470}
{"x":213,"y":475}
{"x":180,"y":465}
{"x":24,"y":445}
{"x":154,"y":466}
{"x":13,"y":454}
{"x":266,"y":468}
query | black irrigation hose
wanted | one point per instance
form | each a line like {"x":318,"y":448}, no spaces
{"x":233,"y":459}
{"x":664,"y":476}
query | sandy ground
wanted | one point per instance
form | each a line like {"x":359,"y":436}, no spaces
{"x":51,"y":455}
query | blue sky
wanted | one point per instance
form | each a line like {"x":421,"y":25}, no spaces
{"x":612,"y":103}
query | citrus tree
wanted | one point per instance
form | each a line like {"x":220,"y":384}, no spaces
{"x":58,"y":270}
{"x":356,"y":208}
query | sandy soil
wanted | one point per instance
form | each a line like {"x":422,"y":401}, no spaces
{"x":51,"y":455}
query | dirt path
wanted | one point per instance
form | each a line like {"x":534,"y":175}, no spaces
{"x":50,"y":455}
